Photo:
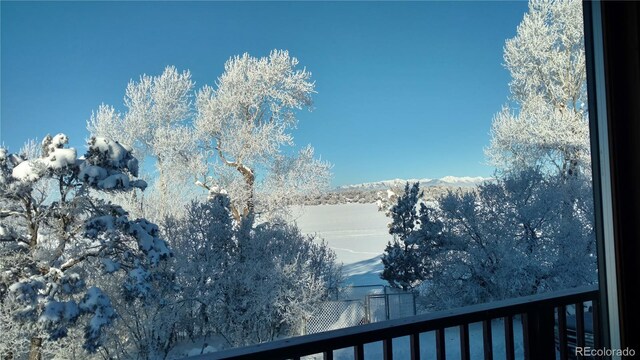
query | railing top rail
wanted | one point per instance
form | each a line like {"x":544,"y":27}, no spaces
{"x":336,"y":339}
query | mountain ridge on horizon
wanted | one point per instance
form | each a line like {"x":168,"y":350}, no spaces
{"x":461,"y":181}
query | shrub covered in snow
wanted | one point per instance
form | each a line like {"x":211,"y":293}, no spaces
{"x":246,"y":282}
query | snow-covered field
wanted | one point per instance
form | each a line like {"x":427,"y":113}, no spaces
{"x":358,"y":234}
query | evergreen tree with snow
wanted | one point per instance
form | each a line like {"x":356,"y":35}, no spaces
{"x":55,"y":233}
{"x":403,"y":265}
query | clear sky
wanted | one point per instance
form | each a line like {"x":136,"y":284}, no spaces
{"x":405,"y":89}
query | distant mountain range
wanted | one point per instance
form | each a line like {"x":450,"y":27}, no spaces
{"x":370,"y":192}
{"x":448,"y":181}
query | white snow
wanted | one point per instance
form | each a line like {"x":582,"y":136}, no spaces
{"x":27,"y":171}
{"x":91,"y":173}
{"x":61,"y":158}
{"x":55,"y":311}
{"x":196,"y":347}
{"x":114,"y":181}
{"x":117,"y":153}
{"x":59,"y":140}
{"x":356,"y":232}
{"x":32,"y":170}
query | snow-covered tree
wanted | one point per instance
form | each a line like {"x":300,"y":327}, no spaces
{"x":246,"y":282}
{"x":547,"y":124}
{"x":246,"y":120}
{"x":157,"y":125}
{"x":53,"y":236}
{"x":403,"y":264}
{"x":511,"y":238}
{"x":146,"y":327}
{"x":205,"y":249}
{"x":232,"y":137}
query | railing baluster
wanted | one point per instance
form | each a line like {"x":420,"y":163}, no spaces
{"x":440,"y":345}
{"x":539,"y":335}
{"x":562,"y":332}
{"x":487,"y":341}
{"x":358,"y":352}
{"x":387,"y":349}
{"x":414,"y":341}
{"x":508,"y":338}
{"x":465,"y":354}
{"x":580,"y":324}
{"x":328,"y":355}
{"x":525,"y":336}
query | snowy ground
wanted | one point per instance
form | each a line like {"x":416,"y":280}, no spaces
{"x":358,"y":234}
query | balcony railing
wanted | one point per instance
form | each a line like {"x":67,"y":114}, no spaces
{"x":544,"y":331}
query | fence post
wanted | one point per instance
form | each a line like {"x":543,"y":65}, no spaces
{"x":386,"y":306}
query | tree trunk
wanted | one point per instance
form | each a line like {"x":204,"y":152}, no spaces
{"x":35,"y":352}
{"x":249,"y":179}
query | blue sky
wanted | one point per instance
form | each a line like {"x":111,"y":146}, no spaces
{"x":405,"y":89}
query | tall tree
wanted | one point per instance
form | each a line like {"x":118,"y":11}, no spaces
{"x":231,"y":138}
{"x":547,"y":124}
{"x":510,"y":238}
{"x":156,"y":125}
{"x":246,"y":120}
{"x":403,"y":263}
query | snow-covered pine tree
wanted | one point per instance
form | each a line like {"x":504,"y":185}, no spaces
{"x":403,"y":265}
{"x":54,"y":232}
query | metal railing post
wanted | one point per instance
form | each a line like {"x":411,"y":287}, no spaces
{"x":538,"y":331}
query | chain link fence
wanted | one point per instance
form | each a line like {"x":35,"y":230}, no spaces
{"x":332,"y":315}
{"x":357,"y":305}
